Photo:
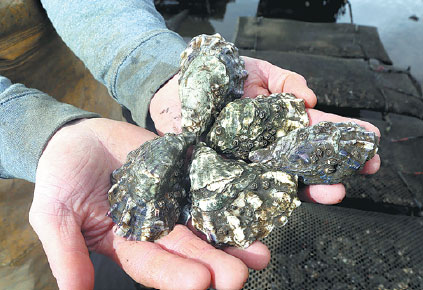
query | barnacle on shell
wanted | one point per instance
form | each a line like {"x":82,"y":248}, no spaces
{"x":235,"y":203}
{"x":247,"y":124}
{"x":212,"y":74}
{"x":231,"y":202}
{"x":323,"y":153}
{"x":148,"y":189}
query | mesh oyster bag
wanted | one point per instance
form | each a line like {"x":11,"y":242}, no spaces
{"x":330,"y":247}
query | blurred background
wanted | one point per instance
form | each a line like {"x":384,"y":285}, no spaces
{"x":399,"y":22}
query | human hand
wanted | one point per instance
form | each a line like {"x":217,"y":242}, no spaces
{"x":69,"y":209}
{"x":335,"y":193}
{"x":263,"y":78}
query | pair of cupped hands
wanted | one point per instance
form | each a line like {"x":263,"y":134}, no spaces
{"x":73,"y":177}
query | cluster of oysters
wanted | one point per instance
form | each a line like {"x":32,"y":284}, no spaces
{"x":242,"y":179}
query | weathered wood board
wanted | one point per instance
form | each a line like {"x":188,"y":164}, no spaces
{"x":351,"y":83}
{"x":399,"y":182}
{"x":340,"y":40}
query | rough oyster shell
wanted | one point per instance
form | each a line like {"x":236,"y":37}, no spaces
{"x":324,"y":153}
{"x":249,"y":124}
{"x":147,"y":190}
{"x":212,"y":74}
{"x":235,"y":203}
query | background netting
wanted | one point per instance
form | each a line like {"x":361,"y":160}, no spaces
{"x":325,"y":247}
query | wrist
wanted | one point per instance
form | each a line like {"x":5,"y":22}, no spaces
{"x":147,"y":69}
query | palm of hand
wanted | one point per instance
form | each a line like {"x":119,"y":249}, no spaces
{"x":73,"y":177}
{"x":69,"y":215}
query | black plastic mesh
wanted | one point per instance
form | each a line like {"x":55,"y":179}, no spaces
{"x":325,"y":247}
{"x":386,"y":187}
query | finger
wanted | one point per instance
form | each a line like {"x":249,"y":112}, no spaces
{"x":256,"y":256}
{"x":227,"y":272}
{"x":252,"y":91}
{"x":151,"y":265}
{"x":315,"y":116}
{"x":278,"y":80}
{"x":323,"y":193}
{"x":297,"y":85}
{"x":65,"y":248}
{"x":285,"y":81}
{"x":371,"y":166}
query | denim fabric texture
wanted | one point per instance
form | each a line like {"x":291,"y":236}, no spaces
{"x":4,"y":84}
{"x":126,"y":46}
{"x":124,"y":43}
{"x":28,"y":119}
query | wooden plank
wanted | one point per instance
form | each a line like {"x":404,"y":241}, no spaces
{"x":399,"y":181}
{"x":351,"y":83}
{"x":332,"y":39}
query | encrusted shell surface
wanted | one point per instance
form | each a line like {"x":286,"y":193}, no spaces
{"x":212,"y":74}
{"x":231,"y":202}
{"x":323,"y":153}
{"x":235,"y":203}
{"x":147,"y":190}
{"x":249,"y":124}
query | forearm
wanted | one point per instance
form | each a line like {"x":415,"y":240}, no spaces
{"x":124,"y":43}
{"x":28,"y":119}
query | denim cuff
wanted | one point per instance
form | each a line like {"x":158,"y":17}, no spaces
{"x":124,"y":43}
{"x":4,"y":84}
{"x":28,"y":119}
{"x":144,"y":70}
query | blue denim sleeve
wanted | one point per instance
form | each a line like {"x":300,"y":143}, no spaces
{"x":28,"y":119}
{"x":124,"y":43}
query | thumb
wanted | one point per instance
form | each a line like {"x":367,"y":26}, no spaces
{"x":64,"y":245}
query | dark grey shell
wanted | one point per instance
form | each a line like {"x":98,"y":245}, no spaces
{"x":147,"y":190}
{"x":324,"y":153}
{"x":232,"y":202}
{"x":212,"y":74}
{"x":249,"y":124}
{"x":235,"y":203}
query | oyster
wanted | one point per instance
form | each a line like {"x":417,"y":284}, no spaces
{"x":249,"y":124}
{"x":212,"y":74}
{"x":235,"y":203}
{"x":324,"y":153}
{"x":231,"y":201}
{"x":147,"y":190}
